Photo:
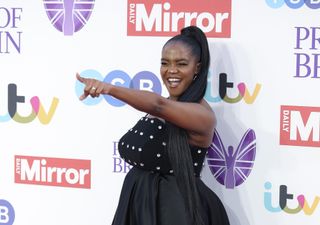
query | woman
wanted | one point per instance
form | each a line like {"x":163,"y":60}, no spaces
{"x":167,"y":147}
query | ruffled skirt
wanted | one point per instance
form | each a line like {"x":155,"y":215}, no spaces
{"x":154,"y":199}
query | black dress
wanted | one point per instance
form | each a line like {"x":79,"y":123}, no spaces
{"x":150,"y":195}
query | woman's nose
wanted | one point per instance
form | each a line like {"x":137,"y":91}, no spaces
{"x":172,"y":69}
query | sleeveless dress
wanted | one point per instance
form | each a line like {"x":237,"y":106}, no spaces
{"x":150,"y":195}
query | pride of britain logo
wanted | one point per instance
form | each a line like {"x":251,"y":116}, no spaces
{"x":232,"y":167}
{"x":68,"y":16}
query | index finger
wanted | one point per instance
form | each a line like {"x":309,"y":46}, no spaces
{"x":81,"y":79}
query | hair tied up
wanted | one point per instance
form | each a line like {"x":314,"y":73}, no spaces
{"x":189,"y":30}
{"x":192,"y":32}
{"x":178,"y":145}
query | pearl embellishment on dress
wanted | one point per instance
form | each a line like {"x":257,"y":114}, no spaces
{"x":146,"y":135}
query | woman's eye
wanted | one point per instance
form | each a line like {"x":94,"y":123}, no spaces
{"x":163,"y":63}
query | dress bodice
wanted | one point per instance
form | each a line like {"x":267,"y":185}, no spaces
{"x":145,"y":146}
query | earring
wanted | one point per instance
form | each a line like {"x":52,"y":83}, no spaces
{"x":195,"y":76}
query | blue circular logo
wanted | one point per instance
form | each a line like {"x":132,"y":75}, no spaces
{"x":144,"y":80}
{"x":6,"y":213}
{"x":312,"y":4}
{"x":118,"y":78}
{"x":275,"y":3}
{"x":294,"y":4}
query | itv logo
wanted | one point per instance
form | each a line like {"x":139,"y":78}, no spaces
{"x":287,"y":202}
{"x":37,"y":108}
{"x":300,"y":126}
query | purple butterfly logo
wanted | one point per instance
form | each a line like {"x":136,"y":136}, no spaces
{"x":231,"y":168}
{"x":68,"y":16}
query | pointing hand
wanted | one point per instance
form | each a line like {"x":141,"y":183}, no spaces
{"x":92,"y":87}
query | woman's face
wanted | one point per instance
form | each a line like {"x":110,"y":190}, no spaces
{"x":178,"y":67}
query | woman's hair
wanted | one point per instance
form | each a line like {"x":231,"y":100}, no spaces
{"x":178,"y":146}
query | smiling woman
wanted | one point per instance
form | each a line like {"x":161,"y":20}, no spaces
{"x":179,"y":67}
{"x":167,"y":147}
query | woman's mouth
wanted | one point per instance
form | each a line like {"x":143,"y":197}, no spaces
{"x":173,"y":82}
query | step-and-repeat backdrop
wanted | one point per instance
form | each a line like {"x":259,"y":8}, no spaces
{"x":59,"y":162}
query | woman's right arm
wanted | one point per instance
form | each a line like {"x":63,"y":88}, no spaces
{"x":196,"y":118}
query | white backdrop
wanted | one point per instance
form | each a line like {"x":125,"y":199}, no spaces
{"x":261,"y":53}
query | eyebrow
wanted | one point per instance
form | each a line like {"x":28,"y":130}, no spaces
{"x":178,"y":60}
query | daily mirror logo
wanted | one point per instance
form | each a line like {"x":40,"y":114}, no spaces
{"x":300,"y":126}
{"x":73,"y":173}
{"x":167,"y":18}
{"x":68,"y":16}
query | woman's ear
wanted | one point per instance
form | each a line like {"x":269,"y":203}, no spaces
{"x":198,"y":67}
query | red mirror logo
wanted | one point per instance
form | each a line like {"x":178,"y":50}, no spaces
{"x":300,"y":126}
{"x":158,"y":18}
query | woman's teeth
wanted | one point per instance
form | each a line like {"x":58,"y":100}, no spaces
{"x":173,"y":82}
